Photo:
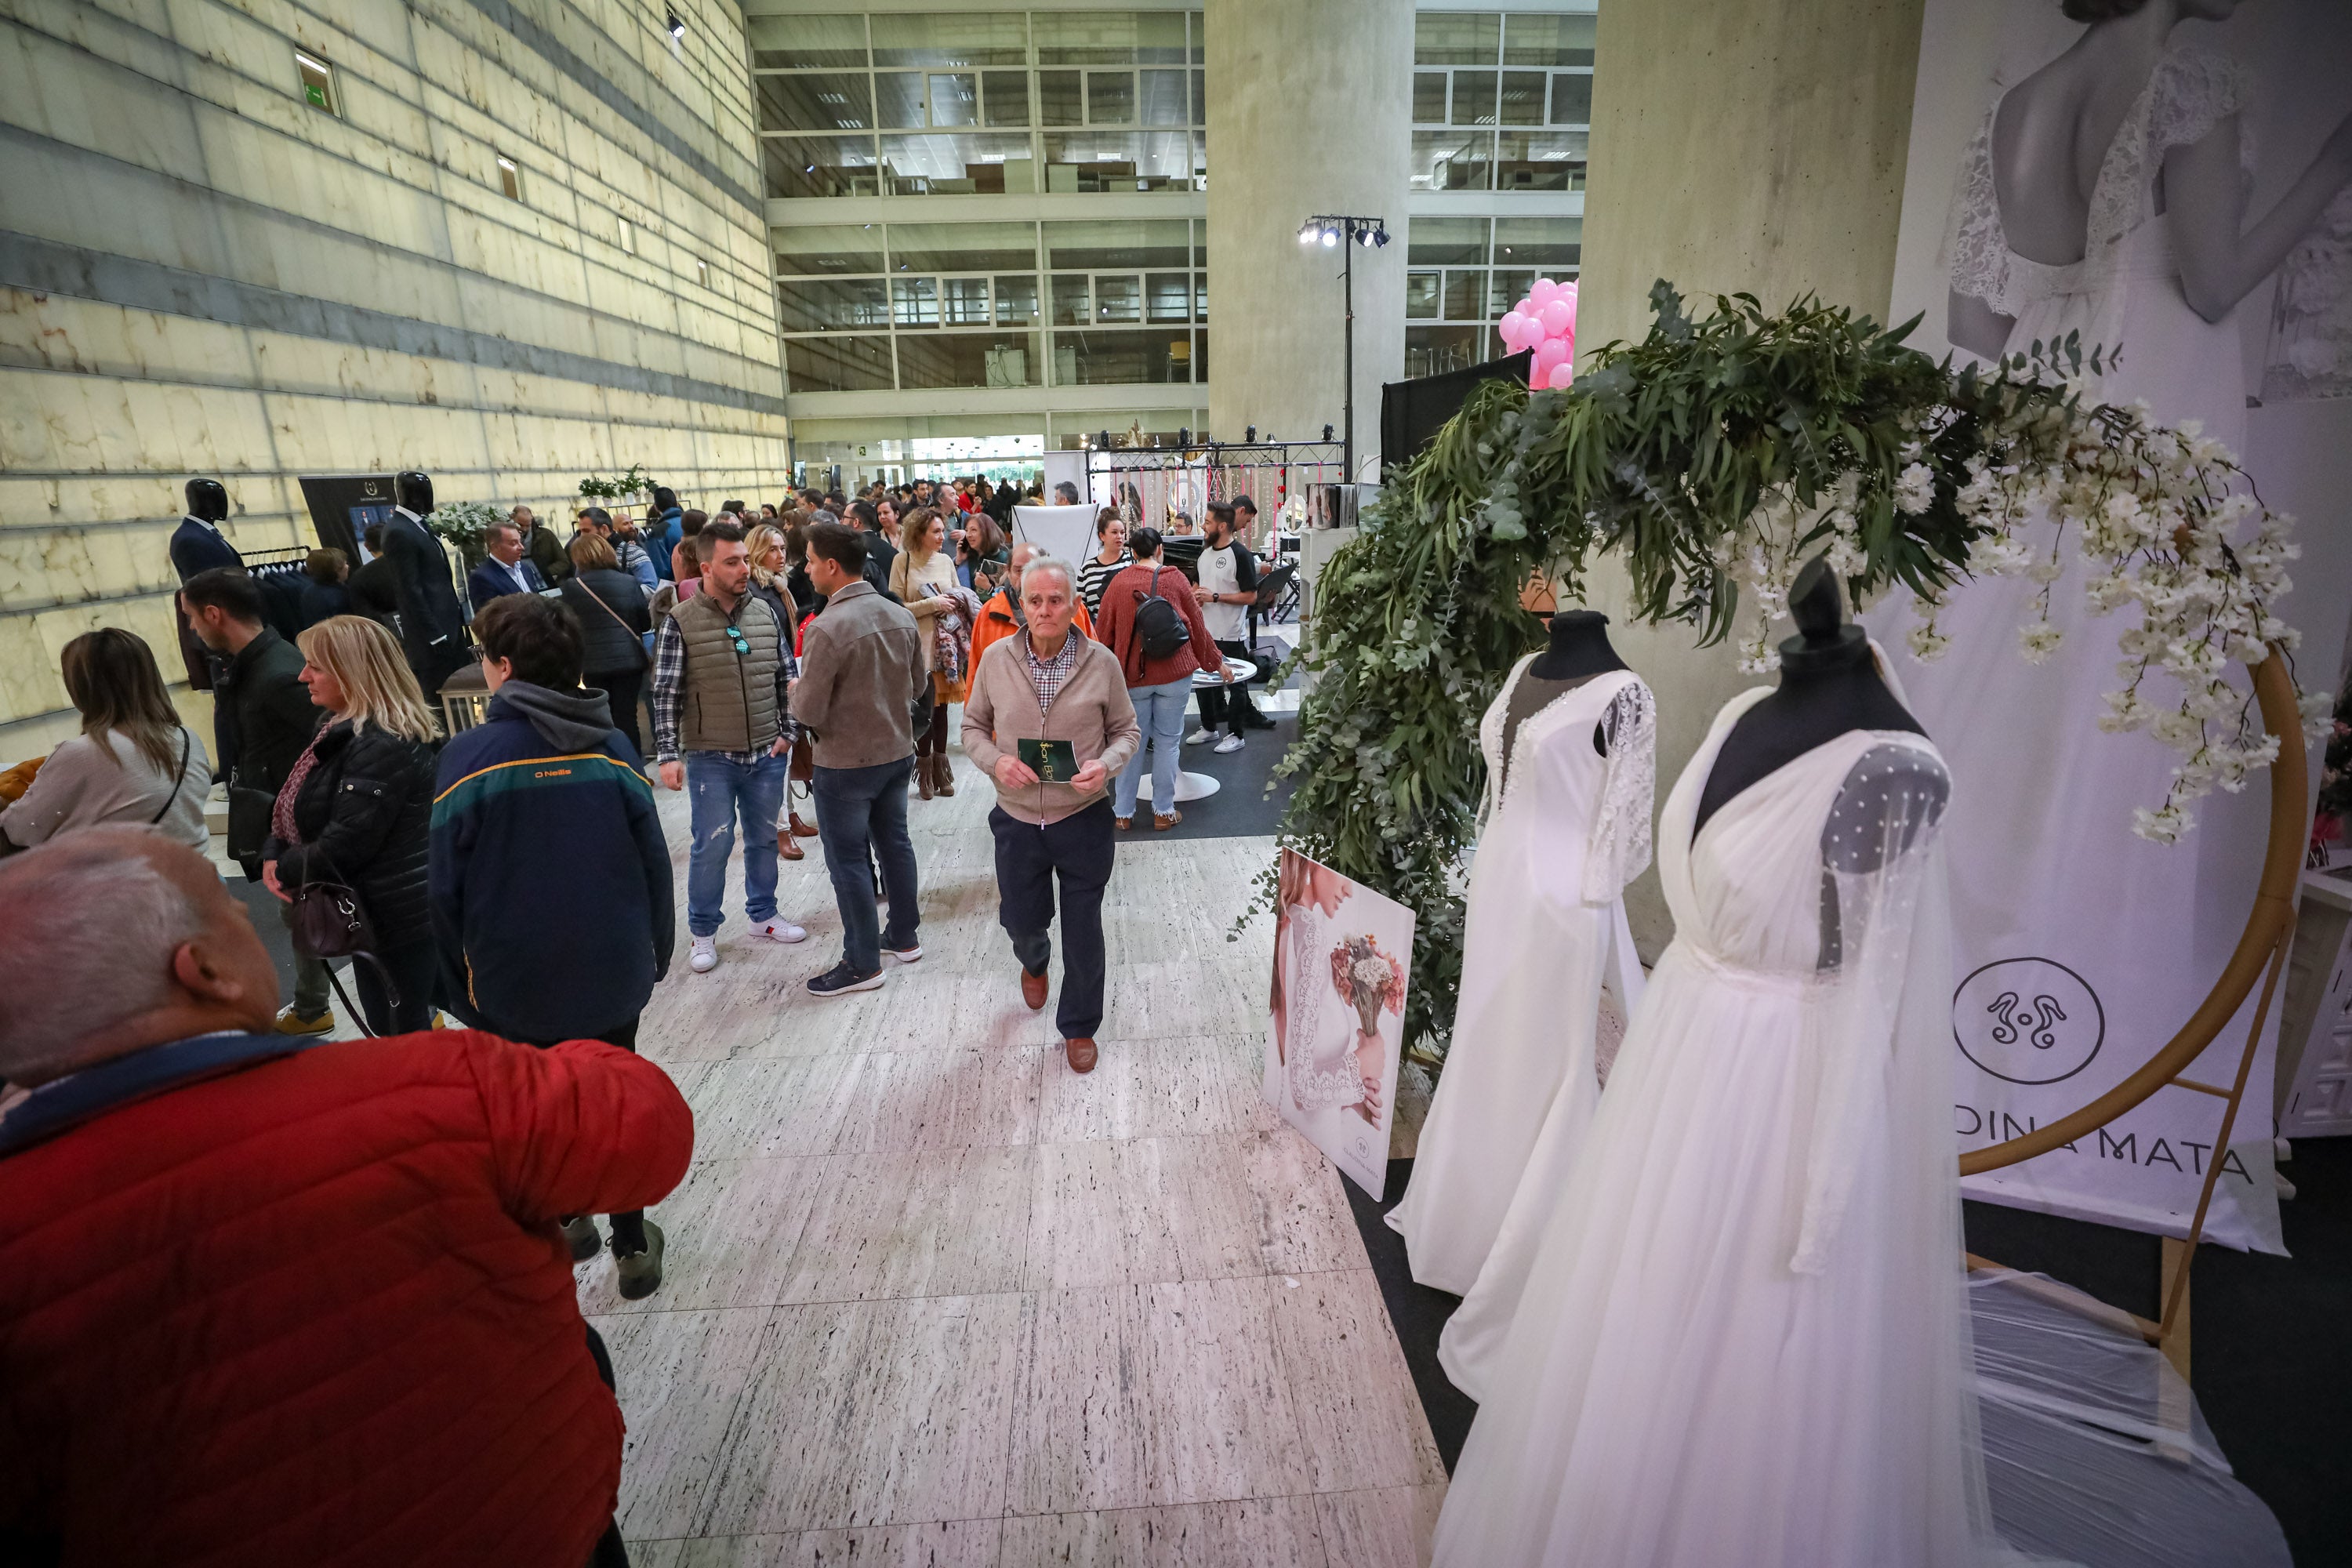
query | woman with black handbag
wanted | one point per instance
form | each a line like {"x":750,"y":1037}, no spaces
{"x":354,"y":823}
{"x":614,"y":628}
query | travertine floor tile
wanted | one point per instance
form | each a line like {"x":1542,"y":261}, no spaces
{"x":941,"y":1099}
{"x":1083,"y":1403}
{"x":869,"y":1412}
{"x":728,"y":1233}
{"x":678,"y":1376}
{"x":1359,"y":1418}
{"x":915,"y":1223}
{"x":1137,"y":1211}
{"x":1393,"y":1527}
{"x":1265,"y":1532}
{"x":1158,"y":1088}
{"x":1223,"y":1424}
{"x":964,"y":1543}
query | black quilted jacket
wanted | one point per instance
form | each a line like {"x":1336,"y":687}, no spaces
{"x":365,"y":819}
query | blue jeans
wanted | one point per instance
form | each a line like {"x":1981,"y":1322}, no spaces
{"x":718,"y":788}
{"x":861,"y":818}
{"x":1161,"y":710}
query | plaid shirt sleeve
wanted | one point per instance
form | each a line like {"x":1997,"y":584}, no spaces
{"x":669,"y":688}
{"x":788,"y":670}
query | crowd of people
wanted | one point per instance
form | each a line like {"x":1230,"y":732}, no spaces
{"x":505,"y":897}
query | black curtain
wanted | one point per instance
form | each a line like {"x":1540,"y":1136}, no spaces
{"x":1413,"y":411}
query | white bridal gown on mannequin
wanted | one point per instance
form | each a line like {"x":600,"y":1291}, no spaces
{"x":1565,"y":829}
{"x":1742,"y":1339}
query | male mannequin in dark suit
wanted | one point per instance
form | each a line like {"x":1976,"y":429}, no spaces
{"x":431,"y":626}
{"x":198,"y":546}
{"x":507,"y":571}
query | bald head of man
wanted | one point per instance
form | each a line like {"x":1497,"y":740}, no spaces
{"x":113,"y":940}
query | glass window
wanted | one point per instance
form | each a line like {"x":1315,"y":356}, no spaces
{"x":819,"y":166}
{"x":829,"y":102}
{"x":1543,"y":242}
{"x":820,"y":304}
{"x":816,"y":249}
{"x":963,"y":248}
{"x":1540,"y":160}
{"x":1118,"y":244}
{"x":1070,"y":305}
{"x":1110,"y":98}
{"x":793,"y":43}
{"x":1167,"y":296}
{"x":1113,"y":357}
{"x":1473,"y":98}
{"x":837,"y":363}
{"x":958,"y":164}
{"x":1433,"y":351}
{"x":1466,"y":296}
{"x":1201,"y":361}
{"x":1505,"y":289}
{"x":1456,"y":37}
{"x":963,"y":301}
{"x":970,"y":359}
{"x":1016,"y":300}
{"x":1420,"y":296}
{"x":1006,"y":94}
{"x":1547,"y":40}
{"x":1110,"y":38}
{"x":1119,"y":160}
{"x":318,"y":79}
{"x":1460,"y":159}
{"x":509,"y":177}
{"x":1429,"y":98}
{"x":898,"y":98}
{"x":1200,"y":98}
{"x":1119,"y":299}
{"x":951,"y":38}
{"x":1572,"y":97}
{"x":1060,"y":100}
{"x":1166,"y":97}
{"x":955,"y":98}
{"x":1446,"y":241}
{"x":1200,"y":296}
{"x":915,"y":302}
{"x":1523,"y":97}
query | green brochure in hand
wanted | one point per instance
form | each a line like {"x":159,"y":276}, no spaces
{"x":1054,"y":761}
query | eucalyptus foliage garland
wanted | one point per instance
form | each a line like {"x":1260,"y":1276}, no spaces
{"x":1719,"y":454}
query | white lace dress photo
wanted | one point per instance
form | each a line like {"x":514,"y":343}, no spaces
{"x":1566,"y":827}
{"x":1743,"y":1335}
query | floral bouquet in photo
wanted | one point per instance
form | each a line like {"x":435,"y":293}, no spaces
{"x":1371,"y":980}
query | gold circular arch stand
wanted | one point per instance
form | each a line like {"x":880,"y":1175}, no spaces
{"x":2260,"y":955}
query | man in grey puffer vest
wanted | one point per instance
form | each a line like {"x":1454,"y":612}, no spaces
{"x":722,"y":732}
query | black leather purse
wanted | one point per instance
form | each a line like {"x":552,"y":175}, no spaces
{"x":329,"y":923}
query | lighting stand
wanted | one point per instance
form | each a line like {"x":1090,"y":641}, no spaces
{"x":1336,"y":228}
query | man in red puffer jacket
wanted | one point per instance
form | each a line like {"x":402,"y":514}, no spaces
{"x":267,"y":1301}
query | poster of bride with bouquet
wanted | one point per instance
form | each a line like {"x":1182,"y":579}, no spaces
{"x":1340,"y":954}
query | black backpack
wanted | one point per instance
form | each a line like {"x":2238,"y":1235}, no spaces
{"x":1160,"y":631}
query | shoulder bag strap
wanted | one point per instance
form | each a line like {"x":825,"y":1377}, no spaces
{"x":601,"y":606}
{"x":185,"y":740}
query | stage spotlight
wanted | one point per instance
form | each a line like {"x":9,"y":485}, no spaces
{"x":676,"y":27}
{"x":1330,"y":237}
{"x":1306,"y":232}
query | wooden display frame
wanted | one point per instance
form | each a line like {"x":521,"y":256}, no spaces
{"x":2260,"y":955}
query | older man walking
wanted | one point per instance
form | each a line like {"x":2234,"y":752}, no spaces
{"x":1004,"y":614}
{"x":861,"y":676}
{"x":280,"y":1300}
{"x":1049,"y":717}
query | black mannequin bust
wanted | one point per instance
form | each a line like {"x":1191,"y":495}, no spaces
{"x":431,"y":626}
{"x":198,"y":545}
{"x":1579,"y":650}
{"x":1828,"y":684}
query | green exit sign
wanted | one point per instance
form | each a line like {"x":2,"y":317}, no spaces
{"x":316,"y":94}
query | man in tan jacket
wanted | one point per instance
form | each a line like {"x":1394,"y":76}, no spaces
{"x":861,"y":676}
{"x":1059,"y":696}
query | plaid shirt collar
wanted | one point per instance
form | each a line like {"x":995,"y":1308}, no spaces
{"x":1048,"y":673}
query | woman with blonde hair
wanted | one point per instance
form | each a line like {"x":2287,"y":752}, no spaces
{"x":924,"y":578}
{"x":133,"y":761}
{"x":357,"y":809}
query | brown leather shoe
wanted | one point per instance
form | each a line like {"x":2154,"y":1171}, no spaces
{"x":1122,"y":823}
{"x":1032,"y":990}
{"x":946,"y":781}
{"x":789,"y":846}
{"x":1081,"y":1053}
{"x":803,"y":829}
{"x":1162,"y":824}
{"x":923,"y":776}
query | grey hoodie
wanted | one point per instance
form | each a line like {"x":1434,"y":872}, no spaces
{"x":570,"y":720}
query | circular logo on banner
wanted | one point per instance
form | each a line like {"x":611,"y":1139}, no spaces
{"x":2027,"y":1020}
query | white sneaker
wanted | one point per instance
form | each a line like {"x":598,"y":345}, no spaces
{"x":706,"y":956}
{"x":911,"y":953}
{"x":1230,"y":744}
{"x":1197,"y":736}
{"x":779,"y":931}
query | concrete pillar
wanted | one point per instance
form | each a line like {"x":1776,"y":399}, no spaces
{"x":1309,"y":112}
{"x":1735,"y":146}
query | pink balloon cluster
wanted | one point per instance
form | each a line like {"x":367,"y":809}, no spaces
{"x":1545,"y":320}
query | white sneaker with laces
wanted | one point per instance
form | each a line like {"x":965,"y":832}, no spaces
{"x":779,"y":931}
{"x":705,"y":955}
{"x":1230,"y":744}
{"x":1199,"y":734}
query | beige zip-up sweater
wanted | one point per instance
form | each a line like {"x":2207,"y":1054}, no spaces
{"x":1092,"y":712}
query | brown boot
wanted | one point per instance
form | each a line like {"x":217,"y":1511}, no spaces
{"x":1081,"y":1053}
{"x":923,"y":774}
{"x":803,"y":829}
{"x":789,"y":846}
{"x":946,"y":784}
